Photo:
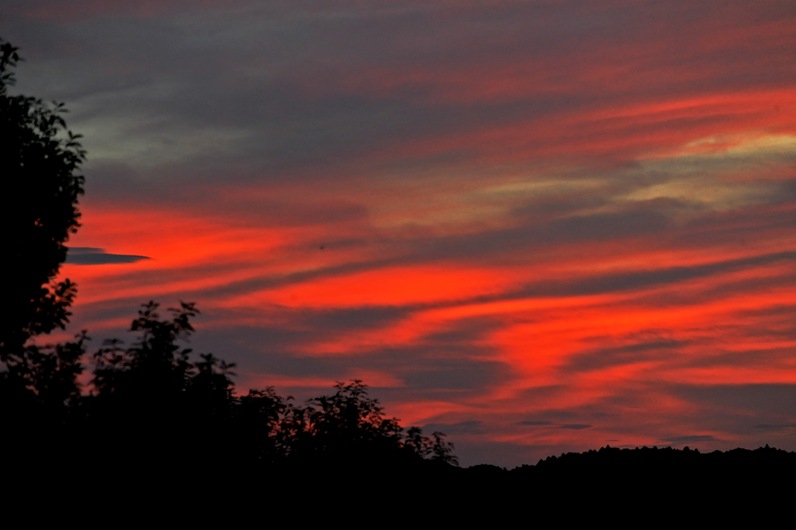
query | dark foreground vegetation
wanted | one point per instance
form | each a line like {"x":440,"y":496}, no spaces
{"x":154,"y":409}
{"x":150,"y":430}
{"x":155,"y":423}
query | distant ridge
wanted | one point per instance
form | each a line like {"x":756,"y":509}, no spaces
{"x":639,"y":462}
{"x":646,"y":487}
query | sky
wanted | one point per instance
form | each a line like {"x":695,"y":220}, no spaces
{"x":536,"y":226}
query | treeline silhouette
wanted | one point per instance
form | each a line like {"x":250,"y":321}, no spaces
{"x":154,"y":413}
{"x":154,"y":409}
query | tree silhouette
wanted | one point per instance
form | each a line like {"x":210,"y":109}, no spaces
{"x":263,"y":428}
{"x":155,"y":404}
{"x":155,"y":370}
{"x":39,"y":161}
{"x":346,"y":428}
{"x":348,"y":431}
{"x":159,"y":407}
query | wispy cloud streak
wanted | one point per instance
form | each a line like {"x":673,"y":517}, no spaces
{"x":537,"y":226}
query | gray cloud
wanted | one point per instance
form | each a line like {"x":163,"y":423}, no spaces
{"x":637,"y":280}
{"x":173,"y":75}
{"x":429,"y":370}
{"x":776,"y":428}
{"x":98,"y":256}
{"x":535,"y":423}
{"x":640,"y":349}
{"x":760,"y":400}
{"x":689,"y":439}
{"x":462,"y":427}
{"x":576,"y":426}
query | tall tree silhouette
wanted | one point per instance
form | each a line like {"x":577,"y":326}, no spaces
{"x":40,"y":161}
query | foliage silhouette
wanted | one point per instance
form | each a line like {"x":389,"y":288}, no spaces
{"x":348,"y":430}
{"x":152,"y":396}
{"x":40,"y":162}
{"x":158,"y":421}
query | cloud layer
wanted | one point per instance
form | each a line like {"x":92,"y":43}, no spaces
{"x":535,"y":226}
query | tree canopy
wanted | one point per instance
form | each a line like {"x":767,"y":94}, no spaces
{"x":40,"y":161}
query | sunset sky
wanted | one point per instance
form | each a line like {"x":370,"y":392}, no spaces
{"x":536,"y":226}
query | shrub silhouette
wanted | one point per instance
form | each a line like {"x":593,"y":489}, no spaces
{"x":348,"y":429}
{"x":153,"y":396}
